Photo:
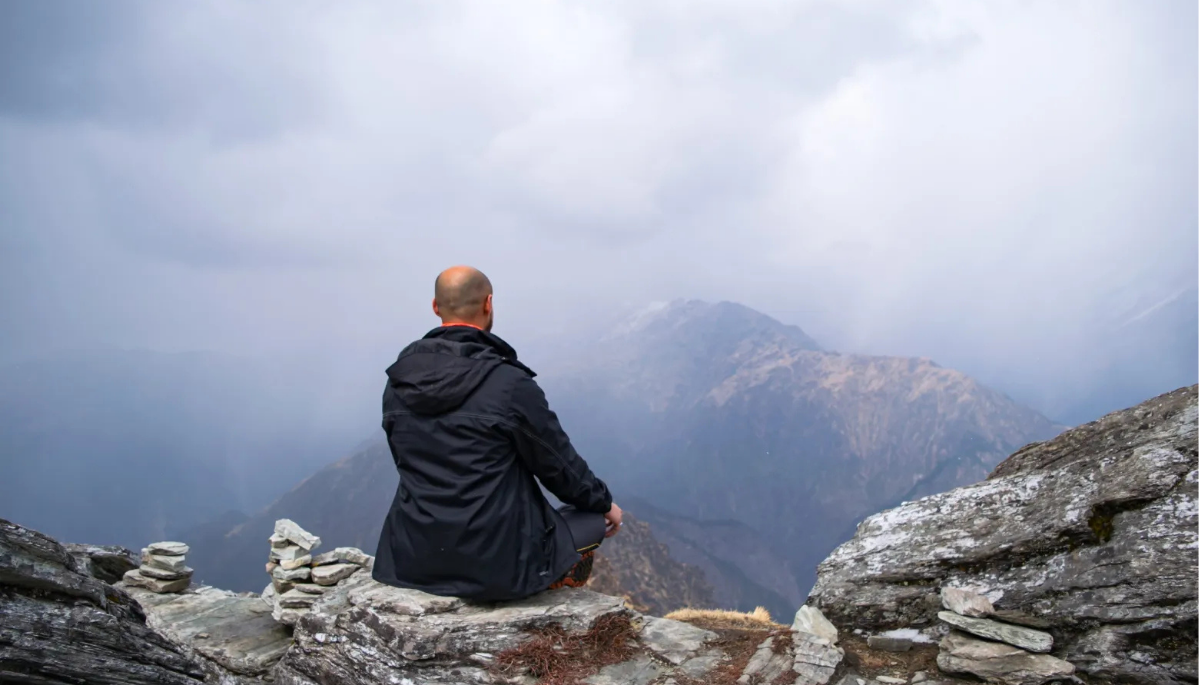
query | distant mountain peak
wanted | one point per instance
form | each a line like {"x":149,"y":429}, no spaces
{"x":722,"y":320}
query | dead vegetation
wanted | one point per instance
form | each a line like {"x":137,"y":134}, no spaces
{"x":713,"y":619}
{"x":555,"y":657}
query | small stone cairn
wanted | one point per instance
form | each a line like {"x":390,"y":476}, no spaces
{"x":298,"y":578}
{"x":999,"y":651}
{"x":163,"y":570}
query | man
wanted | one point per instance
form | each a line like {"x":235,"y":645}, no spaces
{"x":469,"y":431}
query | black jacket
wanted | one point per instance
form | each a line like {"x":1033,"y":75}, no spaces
{"x":469,"y":429}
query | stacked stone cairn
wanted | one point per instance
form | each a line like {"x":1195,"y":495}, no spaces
{"x":999,"y":651}
{"x":163,"y":570}
{"x":298,"y":577}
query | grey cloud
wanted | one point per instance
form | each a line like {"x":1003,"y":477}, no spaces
{"x":978,"y":183}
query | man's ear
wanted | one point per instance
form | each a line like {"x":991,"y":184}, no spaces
{"x":487,"y":305}
{"x":435,"y":308}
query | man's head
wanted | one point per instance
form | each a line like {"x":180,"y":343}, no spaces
{"x":463,"y":295}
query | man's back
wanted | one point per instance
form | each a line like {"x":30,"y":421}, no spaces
{"x":469,"y":429}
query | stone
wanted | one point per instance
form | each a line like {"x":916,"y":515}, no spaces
{"x":296,"y":574}
{"x":108,"y":563}
{"x":161,"y":574}
{"x":292,"y":564}
{"x":674,"y":641}
{"x":396,"y":634}
{"x":1017,"y":636}
{"x":640,"y":671}
{"x":349,"y":555}
{"x":289,"y":553}
{"x":809,"y":619}
{"x":281,"y":586}
{"x":295,"y":599}
{"x":312,"y":588}
{"x":278,"y":541}
{"x":815,"y":659}
{"x":889,"y":680}
{"x":287,"y":617}
{"x":997,"y":662}
{"x":919,"y":677}
{"x":271,"y":566}
{"x":236,"y":633}
{"x":698,"y":667}
{"x":967,"y":602}
{"x":170,"y":549}
{"x":62,"y":624}
{"x":288,"y":529}
{"x":1090,"y":536}
{"x":330,"y":575}
{"x":166,"y":563}
{"x":135,"y":578}
{"x":889,"y":644}
{"x":766,"y":665}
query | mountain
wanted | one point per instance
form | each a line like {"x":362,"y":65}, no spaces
{"x":718,"y":412}
{"x":127,"y":446}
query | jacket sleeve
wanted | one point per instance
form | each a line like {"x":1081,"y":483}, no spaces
{"x":545,"y":449}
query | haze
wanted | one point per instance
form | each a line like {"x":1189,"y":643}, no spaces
{"x":1007,"y":188}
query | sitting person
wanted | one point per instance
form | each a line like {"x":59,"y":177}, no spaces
{"x":471,"y":434}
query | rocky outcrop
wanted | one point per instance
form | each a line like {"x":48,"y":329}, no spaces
{"x":1089,"y":537}
{"x":61,"y":624}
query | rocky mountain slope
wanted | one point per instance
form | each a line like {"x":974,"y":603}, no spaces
{"x":718,"y":412}
{"x":1090,"y":537}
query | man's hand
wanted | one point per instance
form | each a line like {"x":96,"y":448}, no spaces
{"x":613,"y":518}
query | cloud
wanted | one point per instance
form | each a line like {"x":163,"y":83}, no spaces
{"x":975,"y":182}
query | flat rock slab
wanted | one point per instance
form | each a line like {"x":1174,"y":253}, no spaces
{"x":640,"y":671}
{"x":889,"y":644}
{"x":766,"y":665}
{"x":293,"y":564}
{"x":171,"y":549}
{"x":815,"y":659}
{"x":674,"y":641}
{"x":108,"y":563}
{"x":135,"y":579}
{"x":809,"y":619}
{"x":163,"y":574}
{"x":290,"y":530}
{"x":294,"y":575}
{"x":998,"y":662}
{"x":240,"y":634}
{"x":349,"y":555}
{"x":966,"y":602}
{"x":331,"y":574}
{"x":163,"y":561}
{"x":1017,"y":636}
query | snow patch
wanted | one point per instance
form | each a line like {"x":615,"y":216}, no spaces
{"x":911,"y":634}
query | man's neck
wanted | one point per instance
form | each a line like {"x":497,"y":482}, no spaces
{"x":461,"y":323}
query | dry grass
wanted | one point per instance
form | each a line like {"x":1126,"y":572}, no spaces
{"x":759,"y":619}
{"x":555,"y":657}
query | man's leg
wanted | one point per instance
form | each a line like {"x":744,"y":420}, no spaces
{"x":587,"y":530}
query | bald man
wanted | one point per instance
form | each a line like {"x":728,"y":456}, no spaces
{"x":471,"y":434}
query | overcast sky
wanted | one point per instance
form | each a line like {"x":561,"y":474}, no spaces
{"x":995,"y":185}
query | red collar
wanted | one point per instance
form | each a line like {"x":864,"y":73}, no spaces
{"x":468,"y":325}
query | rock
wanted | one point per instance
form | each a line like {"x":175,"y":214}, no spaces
{"x":312,"y":588}
{"x":399,"y":634}
{"x":998,"y":662}
{"x":288,"y":553}
{"x":236,"y":633}
{"x":103,"y":562}
{"x":966,"y":602}
{"x":160,"y":574}
{"x":640,"y":671}
{"x":815,"y":659}
{"x":1091,"y":534}
{"x":278,"y":541}
{"x":293,"y":564}
{"x":1017,"y":636}
{"x":287,"y":529}
{"x":673,"y":640}
{"x":809,"y":619}
{"x":350,"y":555}
{"x":170,"y":549}
{"x":281,"y":586}
{"x":919,"y":677}
{"x":329,"y":575}
{"x":766,"y":665}
{"x":889,"y":644}
{"x":136,"y":579}
{"x":287,"y":617}
{"x":889,"y":680}
{"x":295,"y":599}
{"x":59,"y":624}
{"x":166,"y":563}
{"x":698,"y":667}
{"x":271,"y":566}
{"x":296,"y":574}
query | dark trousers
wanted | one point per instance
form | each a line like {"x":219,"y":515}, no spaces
{"x":587,"y":530}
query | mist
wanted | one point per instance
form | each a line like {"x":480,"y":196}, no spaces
{"x":1007,"y":188}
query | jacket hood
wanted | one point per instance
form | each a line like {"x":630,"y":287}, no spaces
{"x":437,"y":373}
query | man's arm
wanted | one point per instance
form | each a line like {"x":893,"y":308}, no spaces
{"x":545,"y":449}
